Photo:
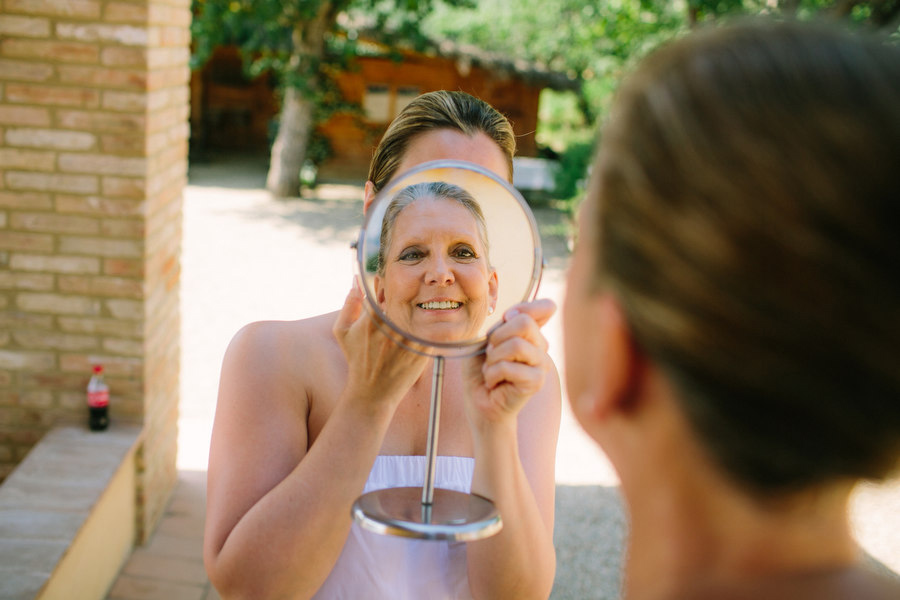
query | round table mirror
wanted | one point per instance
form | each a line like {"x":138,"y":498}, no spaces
{"x":445,"y":249}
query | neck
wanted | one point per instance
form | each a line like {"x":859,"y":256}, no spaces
{"x":691,"y":527}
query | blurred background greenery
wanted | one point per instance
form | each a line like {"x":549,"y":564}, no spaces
{"x":593,"y":43}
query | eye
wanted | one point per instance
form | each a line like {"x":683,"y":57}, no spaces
{"x":465,"y":252}
{"x":411,"y":255}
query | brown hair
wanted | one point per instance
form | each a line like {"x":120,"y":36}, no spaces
{"x":749,"y":222}
{"x":438,"y":110}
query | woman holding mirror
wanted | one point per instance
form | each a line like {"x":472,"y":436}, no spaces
{"x":314,"y":412}
{"x":731,"y":314}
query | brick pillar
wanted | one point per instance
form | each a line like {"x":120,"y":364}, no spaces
{"x":93,"y":160}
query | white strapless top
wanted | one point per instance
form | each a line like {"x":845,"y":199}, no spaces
{"x":384,"y":567}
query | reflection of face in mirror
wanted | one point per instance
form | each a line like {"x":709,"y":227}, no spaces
{"x":434,"y":275}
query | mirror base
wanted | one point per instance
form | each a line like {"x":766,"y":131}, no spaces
{"x":452,"y":516}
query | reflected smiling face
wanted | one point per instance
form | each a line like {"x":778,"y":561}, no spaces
{"x":437,"y":283}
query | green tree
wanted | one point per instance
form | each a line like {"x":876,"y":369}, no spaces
{"x":304,"y":43}
{"x":596,"y":42}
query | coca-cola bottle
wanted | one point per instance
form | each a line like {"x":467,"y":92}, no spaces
{"x":98,"y":401}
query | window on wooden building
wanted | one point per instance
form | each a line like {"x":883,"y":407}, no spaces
{"x":377,"y":103}
{"x":382,"y":102}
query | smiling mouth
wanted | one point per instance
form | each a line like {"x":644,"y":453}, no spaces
{"x":443,"y":305}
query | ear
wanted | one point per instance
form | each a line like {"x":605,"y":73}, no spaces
{"x":368,"y":196}
{"x":379,"y":290}
{"x":619,"y":365}
{"x":493,"y":288}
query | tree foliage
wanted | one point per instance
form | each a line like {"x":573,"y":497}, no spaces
{"x":303,"y":44}
{"x":597,"y":41}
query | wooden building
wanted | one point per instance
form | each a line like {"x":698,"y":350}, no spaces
{"x":230,"y":113}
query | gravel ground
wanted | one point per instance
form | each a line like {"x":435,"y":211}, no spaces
{"x":247,"y":257}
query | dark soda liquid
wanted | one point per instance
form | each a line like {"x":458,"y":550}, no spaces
{"x":99,"y":418}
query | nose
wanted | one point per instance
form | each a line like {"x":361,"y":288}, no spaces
{"x":439,"y":272}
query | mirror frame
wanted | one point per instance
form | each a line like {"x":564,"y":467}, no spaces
{"x":406,"y":339}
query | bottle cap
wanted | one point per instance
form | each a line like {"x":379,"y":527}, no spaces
{"x":98,"y":368}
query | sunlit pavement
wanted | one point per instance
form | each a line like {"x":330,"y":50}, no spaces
{"x":247,"y":257}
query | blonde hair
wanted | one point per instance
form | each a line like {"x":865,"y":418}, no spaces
{"x":439,"y":110}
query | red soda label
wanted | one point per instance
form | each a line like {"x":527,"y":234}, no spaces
{"x":98,"y":399}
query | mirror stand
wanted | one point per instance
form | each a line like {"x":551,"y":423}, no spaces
{"x":429,"y":513}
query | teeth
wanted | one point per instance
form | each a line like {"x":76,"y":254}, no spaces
{"x":445,"y":305}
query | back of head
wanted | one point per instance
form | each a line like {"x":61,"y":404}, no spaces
{"x":438,"y":110}
{"x":749,"y":215}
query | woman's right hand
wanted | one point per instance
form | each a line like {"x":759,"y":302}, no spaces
{"x":379,"y":368}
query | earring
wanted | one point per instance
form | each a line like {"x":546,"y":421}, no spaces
{"x":490,"y":310}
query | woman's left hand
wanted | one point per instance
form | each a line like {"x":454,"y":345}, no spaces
{"x":513,"y":367}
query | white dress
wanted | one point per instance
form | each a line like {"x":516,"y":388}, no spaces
{"x":384,"y":567}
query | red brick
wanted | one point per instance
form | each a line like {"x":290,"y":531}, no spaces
{"x":30,"y":361}
{"x":21,"y":70}
{"x":18,"y":319}
{"x":58,"y":304}
{"x":126,"y":187}
{"x":25,"y":200}
{"x":122,"y":12}
{"x":103,"y":122}
{"x":105,"y":164}
{"x":126,"y":35}
{"x":102,"y":286}
{"x":125,"y":309}
{"x":103,"y":77}
{"x":169,"y":77}
{"x":35,"y":242}
{"x":51,"y":340}
{"x":55,"y":264}
{"x":168,"y":57}
{"x":85,"y":9}
{"x":59,"y":139}
{"x":94,"y":246}
{"x":33,"y":160}
{"x":52,"y":182}
{"x":54,"y":223}
{"x":49,"y":95}
{"x":102,"y":326}
{"x":123,"y":347}
{"x":48,"y":50}
{"x":24,"y":26}
{"x":124,"y":144}
{"x":121,"y":56}
{"x":112,"y":365}
{"x":24,"y":116}
{"x":125,"y":101}
{"x":38,"y":282}
{"x":131,"y":228}
{"x":97,"y":205}
{"x":123,"y":267}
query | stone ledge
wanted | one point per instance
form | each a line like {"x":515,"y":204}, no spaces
{"x":67,"y":514}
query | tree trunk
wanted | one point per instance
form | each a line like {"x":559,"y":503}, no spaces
{"x":297,"y":118}
{"x":289,"y":150}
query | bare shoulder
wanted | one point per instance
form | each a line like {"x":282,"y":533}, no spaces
{"x":282,"y":356}
{"x":260,"y":431}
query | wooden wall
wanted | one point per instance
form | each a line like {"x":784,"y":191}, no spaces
{"x":229,"y":113}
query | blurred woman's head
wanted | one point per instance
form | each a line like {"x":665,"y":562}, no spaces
{"x":448,"y":112}
{"x":744,"y":212}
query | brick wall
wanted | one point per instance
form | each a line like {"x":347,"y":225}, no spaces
{"x":93,"y":160}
